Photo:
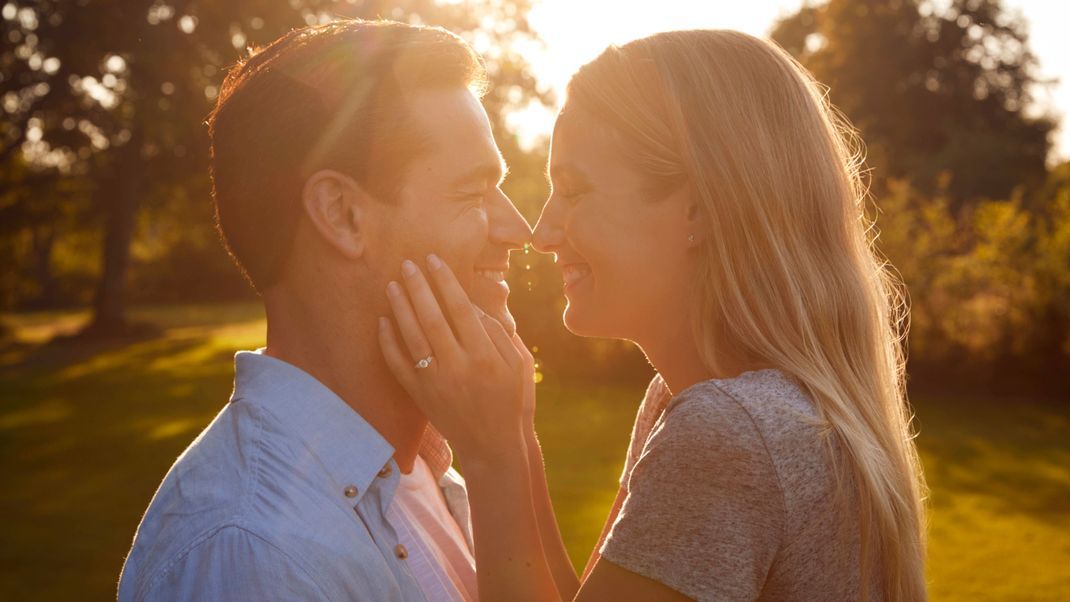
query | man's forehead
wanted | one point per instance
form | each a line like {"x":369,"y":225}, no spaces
{"x":450,"y":113}
{"x":457,"y":130}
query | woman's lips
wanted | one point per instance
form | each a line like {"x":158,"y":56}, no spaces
{"x":574,"y":273}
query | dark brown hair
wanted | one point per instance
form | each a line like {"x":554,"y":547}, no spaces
{"x":322,"y":97}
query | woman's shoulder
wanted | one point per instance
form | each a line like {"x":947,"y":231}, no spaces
{"x":765,"y":414}
{"x":767,"y":402}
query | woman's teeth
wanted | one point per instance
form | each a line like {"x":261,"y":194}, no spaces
{"x":496,"y":276}
{"x":574,"y":273}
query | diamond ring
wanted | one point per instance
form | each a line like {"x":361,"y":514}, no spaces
{"x":420,"y":365}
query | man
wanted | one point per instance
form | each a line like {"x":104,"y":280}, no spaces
{"x":338,"y":151}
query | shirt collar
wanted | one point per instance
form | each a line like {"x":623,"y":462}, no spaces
{"x":436,"y":452}
{"x":350,"y":449}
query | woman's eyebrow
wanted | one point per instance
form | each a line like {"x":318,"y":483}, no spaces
{"x":568,"y":172}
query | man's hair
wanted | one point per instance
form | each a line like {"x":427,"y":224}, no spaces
{"x":323,"y":97}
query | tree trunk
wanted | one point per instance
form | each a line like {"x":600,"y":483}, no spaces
{"x":122,"y":195}
{"x":43,"y":241}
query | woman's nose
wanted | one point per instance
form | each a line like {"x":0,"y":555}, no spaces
{"x":549,"y":231}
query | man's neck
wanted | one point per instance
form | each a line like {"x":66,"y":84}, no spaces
{"x":342,"y":353}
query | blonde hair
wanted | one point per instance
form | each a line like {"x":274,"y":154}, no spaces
{"x":789,"y":275}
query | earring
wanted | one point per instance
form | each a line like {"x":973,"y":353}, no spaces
{"x":691,"y":238}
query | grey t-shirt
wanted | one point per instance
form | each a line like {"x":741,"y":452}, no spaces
{"x":733,"y":497}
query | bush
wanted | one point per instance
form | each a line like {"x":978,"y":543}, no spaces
{"x":989,"y":286}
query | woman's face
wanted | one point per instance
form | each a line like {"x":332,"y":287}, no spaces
{"x":624,"y":257}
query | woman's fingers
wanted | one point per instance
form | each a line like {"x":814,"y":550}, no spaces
{"x":428,"y":313}
{"x":396,"y":358}
{"x":525,"y":353}
{"x":502,"y":342}
{"x":528,"y":361}
{"x":464,"y":315}
{"x":408,"y":323}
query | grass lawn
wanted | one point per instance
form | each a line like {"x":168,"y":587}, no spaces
{"x":88,"y":428}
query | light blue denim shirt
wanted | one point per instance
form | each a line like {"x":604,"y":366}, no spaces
{"x":282,"y":497}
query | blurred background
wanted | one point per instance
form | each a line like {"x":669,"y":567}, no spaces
{"x":120,"y":311}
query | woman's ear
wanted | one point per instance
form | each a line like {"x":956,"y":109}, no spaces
{"x":694,"y":224}
{"x":335,"y":204}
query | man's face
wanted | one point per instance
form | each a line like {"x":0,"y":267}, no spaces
{"x":450,"y":203}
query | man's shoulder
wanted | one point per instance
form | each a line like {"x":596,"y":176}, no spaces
{"x":241,"y":478}
{"x":202,"y":564}
{"x":204,"y":490}
{"x":217,"y":471}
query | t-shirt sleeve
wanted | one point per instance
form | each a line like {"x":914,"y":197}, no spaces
{"x":654,"y":401}
{"x":235,"y":564}
{"x":705,"y":513}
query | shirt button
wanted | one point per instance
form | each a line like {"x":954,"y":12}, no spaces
{"x":350,"y":491}
{"x":401,"y":552}
{"x":385,"y":472}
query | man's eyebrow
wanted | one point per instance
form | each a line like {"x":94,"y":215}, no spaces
{"x":485,"y":172}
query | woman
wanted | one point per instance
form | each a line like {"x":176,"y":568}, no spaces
{"x":707,"y":206}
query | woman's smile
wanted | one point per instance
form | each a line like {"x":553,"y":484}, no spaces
{"x":574,"y":273}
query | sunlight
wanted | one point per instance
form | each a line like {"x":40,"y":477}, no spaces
{"x":173,"y":428}
{"x":575,"y":32}
{"x":44,"y":412}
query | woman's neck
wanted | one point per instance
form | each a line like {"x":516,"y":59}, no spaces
{"x":674,"y":353}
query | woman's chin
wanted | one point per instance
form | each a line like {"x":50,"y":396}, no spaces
{"x":580,"y":323}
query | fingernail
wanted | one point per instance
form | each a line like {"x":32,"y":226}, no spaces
{"x":408,"y":267}
{"x":433,"y":261}
{"x":393,"y":288}
{"x":383,"y":323}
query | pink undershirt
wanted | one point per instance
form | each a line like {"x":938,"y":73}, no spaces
{"x":439,"y":557}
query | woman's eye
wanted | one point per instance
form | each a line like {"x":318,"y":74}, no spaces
{"x":572,"y":197}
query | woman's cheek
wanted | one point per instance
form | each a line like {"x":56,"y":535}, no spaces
{"x":583,"y":230}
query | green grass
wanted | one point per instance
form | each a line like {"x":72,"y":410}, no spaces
{"x":88,"y":428}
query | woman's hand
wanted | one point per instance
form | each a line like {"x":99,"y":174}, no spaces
{"x":478,"y":390}
{"x":528,"y":399}
{"x":474,"y":388}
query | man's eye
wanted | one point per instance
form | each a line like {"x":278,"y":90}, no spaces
{"x":473,"y":196}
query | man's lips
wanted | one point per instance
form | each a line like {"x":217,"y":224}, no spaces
{"x":494,"y":273}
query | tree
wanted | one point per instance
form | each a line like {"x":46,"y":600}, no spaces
{"x":118,"y":89}
{"x":932,"y":90}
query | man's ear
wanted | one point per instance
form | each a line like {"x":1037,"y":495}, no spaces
{"x":335,"y":204}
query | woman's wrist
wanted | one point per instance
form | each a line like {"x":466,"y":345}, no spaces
{"x":507,"y":454}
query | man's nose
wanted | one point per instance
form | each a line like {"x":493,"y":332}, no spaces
{"x":549,"y":230}
{"x":507,"y":226}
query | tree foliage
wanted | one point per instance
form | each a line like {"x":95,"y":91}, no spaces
{"x":989,"y":286}
{"x":937,"y":89}
{"x":115,"y":92}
